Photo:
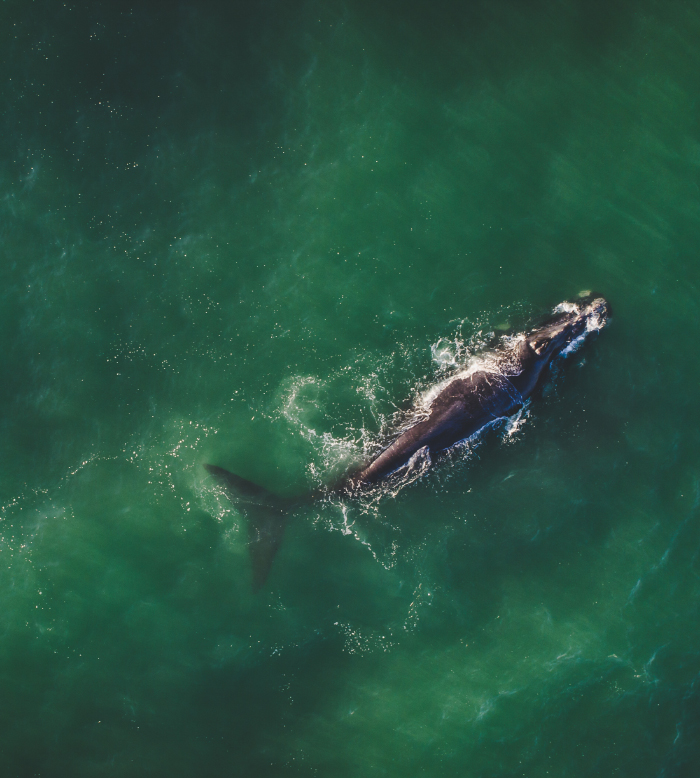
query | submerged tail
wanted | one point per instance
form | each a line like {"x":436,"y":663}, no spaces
{"x":267,"y":518}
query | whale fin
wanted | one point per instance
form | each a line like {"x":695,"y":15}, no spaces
{"x":267,"y":519}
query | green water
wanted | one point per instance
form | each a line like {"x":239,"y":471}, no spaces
{"x":246,"y":234}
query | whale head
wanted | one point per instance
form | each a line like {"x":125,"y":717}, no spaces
{"x":572,"y":322}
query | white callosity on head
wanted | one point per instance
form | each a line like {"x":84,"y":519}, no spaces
{"x":594,"y":323}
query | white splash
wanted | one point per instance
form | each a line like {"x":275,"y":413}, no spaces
{"x":593,"y":324}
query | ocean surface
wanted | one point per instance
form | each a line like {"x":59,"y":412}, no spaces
{"x":252,"y":234}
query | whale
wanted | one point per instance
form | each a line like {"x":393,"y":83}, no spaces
{"x":489,"y":391}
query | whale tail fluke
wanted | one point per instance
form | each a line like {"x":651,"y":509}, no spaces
{"x":267,"y":518}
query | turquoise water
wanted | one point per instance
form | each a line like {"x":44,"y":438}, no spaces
{"x":249,"y":235}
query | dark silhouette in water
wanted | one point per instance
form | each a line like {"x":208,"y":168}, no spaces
{"x":463,"y":407}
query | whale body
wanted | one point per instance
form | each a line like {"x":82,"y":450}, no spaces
{"x":459,"y":410}
{"x":467,"y":405}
